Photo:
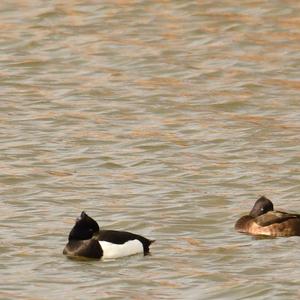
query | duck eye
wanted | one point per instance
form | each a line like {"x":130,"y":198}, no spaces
{"x":262,"y":209}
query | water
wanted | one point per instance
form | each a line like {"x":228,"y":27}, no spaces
{"x":165,"y":118}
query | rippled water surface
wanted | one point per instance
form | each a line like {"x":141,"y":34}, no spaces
{"x":165,"y":118}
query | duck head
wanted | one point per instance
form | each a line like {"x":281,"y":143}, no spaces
{"x":261,"y":206}
{"x":84,"y":228}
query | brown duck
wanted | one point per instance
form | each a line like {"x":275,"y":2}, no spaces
{"x":264,"y":220}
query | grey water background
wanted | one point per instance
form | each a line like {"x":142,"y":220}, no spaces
{"x":165,"y":118}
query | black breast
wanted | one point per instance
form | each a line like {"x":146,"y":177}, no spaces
{"x":85,"y":248}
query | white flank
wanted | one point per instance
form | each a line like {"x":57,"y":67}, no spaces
{"x":111,"y":250}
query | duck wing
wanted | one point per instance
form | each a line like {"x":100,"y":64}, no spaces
{"x":121,"y":237}
{"x":273,"y":217}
